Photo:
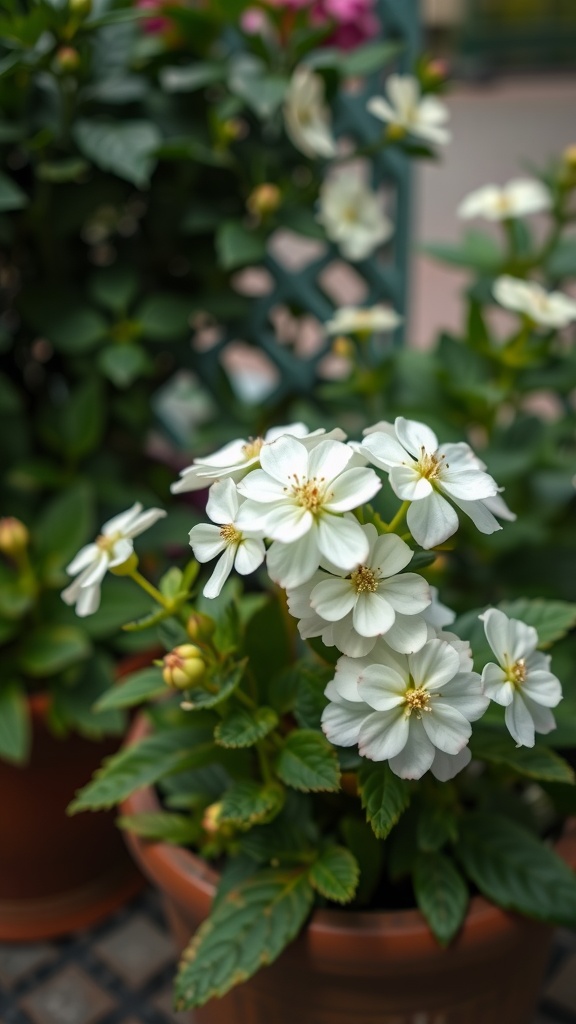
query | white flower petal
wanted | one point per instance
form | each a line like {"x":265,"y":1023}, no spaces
{"x":480,"y":514}
{"x":446,"y":727}
{"x":496,"y":686}
{"x":434,"y":664}
{"x":542,"y":687}
{"x":352,"y":488}
{"x":447,"y":766}
{"x":464,"y":693}
{"x":259,"y":486}
{"x":415,"y":436}
{"x":206,"y":542}
{"x":222,"y":570}
{"x":289,"y":565}
{"x":408,"y":634}
{"x":88,"y":601}
{"x":432,"y":520}
{"x":519,"y":721}
{"x":383,"y":735}
{"x":121,"y":552}
{"x":342,"y":722}
{"x":384,"y":450}
{"x":249,"y":555}
{"x":372,"y":615}
{"x":222,"y":504}
{"x":144,"y":521}
{"x":328,"y":459}
{"x":408,"y":483}
{"x":120,"y":522}
{"x":333,"y":599}
{"x":389,"y":554}
{"x":381,"y":687}
{"x":342,"y":541}
{"x":544,"y":721}
{"x":285,"y":460}
{"x":418,"y":754}
{"x":88,"y":554}
{"x":408,"y":593}
{"x":97,"y":570}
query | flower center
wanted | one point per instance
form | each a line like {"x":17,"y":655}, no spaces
{"x":106,"y":541}
{"x":417,"y":701}
{"x":431,"y":465}
{"x":230,"y":533}
{"x":517,"y":672}
{"x":503,"y":203}
{"x":350,"y":214}
{"x":364,"y":580}
{"x":252,"y":448}
{"x":309,"y":493}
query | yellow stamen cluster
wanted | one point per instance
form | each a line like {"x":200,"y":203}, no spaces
{"x":230,"y":533}
{"x":517,"y":672}
{"x":430,"y":465}
{"x":309,"y":493}
{"x":417,"y":701}
{"x":364,"y":580}
{"x":106,"y":542}
{"x":252,"y":448}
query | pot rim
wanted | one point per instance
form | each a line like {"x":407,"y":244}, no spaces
{"x":402,"y":933}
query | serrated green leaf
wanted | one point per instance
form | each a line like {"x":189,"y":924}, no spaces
{"x":236,"y":245}
{"x":437,"y":826}
{"x":308,"y":762}
{"x":243,"y":728}
{"x":248,"y":929}
{"x":384,"y":797}
{"x":15,"y":732}
{"x":123,"y":364}
{"x":221,"y":685}
{"x":537,"y":762}
{"x":50,"y":649}
{"x":335,"y":874}
{"x":551,"y":619}
{"x":441,"y":894}
{"x":249,"y":803}
{"x":516,"y":870}
{"x":142,"y":765}
{"x":124,"y":148}
{"x":135,"y":689}
{"x":178,"y":829}
{"x":310,"y":699}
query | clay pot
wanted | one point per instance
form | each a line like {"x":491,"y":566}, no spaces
{"x":57,"y":873}
{"x":381,"y":967}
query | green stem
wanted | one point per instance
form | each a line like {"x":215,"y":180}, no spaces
{"x":151,"y":590}
{"x":395,"y":522}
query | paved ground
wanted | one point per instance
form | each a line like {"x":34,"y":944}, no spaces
{"x":120,"y":972}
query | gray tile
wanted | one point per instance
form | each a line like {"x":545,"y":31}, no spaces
{"x":136,"y":950}
{"x":70,"y":997}
{"x":165,"y":1003}
{"x":18,"y":960}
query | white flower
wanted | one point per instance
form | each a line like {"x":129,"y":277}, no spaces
{"x":517,"y":198}
{"x":375,"y":590}
{"x":240,"y":549}
{"x":437,"y":614}
{"x":306,"y":116}
{"x":407,"y":109}
{"x":549,"y":309}
{"x":238,"y":457}
{"x":112,"y":548}
{"x":353,"y":216}
{"x":351,"y":320}
{"x":298,"y":499}
{"x":521,"y":681}
{"x":426,"y":474}
{"x":404,"y":708}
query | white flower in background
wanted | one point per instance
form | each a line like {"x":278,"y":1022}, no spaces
{"x":446,"y":766}
{"x":238,"y":457}
{"x":375,"y":590}
{"x":408,"y":110}
{"x":112,"y":548}
{"x":425,"y":473}
{"x":437,"y":614}
{"x":404,"y":708}
{"x":353,"y":215}
{"x":240,"y":549}
{"x":517,"y":198}
{"x":298,"y":499}
{"x":521,"y":681}
{"x":306,"y":115}
{"x":549,"y":309}
{"x":352,"y":320}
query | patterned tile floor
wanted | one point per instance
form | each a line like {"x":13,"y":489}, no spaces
{"x":120,"y":973}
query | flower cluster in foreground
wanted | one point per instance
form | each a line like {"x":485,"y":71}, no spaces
{"x":405,"y":690}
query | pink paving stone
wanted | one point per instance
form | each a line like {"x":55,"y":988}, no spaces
{"x":71,"y":997}
{"x":17,"y":960}
{"x":136,"y":950}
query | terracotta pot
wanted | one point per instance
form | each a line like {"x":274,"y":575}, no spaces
{"x":58,"y":873}
{"x":379,"y":967}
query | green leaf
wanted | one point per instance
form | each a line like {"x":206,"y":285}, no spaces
{"x":83,"y":418}
{"x":123,"y":364}
{"x":11,"y":195}
{"x":244,"y":728}
{"x":562,"y":259}
{"x":171,"y":583}
{"x":437,"y":825}
{"x":536,"y":762}
{"x":15,"y":732}
{"x":73,"y":330}
{"x":369,"y":853}
{"x":124,"y":148}
{"x":162,"y":827}
{"x":308,"y":762}
{"x":142,"y":765}
{"x":384,"y":797}
{"x":64,"y":525}
{"x":50,"y":649}
{"x":163,"y":317}
{"x":551,"y":619}
{"x":262,"y":92}
{"x":237,"y":245}
{"x":191,"y":77}
{"x":310,"y":700}
{"x":516,"y":870}
{"x":72,"y":708}
{"x":367,"y":59}
{"x":222,"y":684}
{"x":114,"y":288}
{"x":249,"y":803}
{"x":135,"y":689}
{"x":441,"y":894}
{"x":248,"y":929}
{"x":477,"y":251}
{"x":335,"y":874}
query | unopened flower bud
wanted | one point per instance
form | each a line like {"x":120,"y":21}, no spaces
{"x":434,"y":72}
{"x":264,"y":200}
{"x":210,"y":818}
{"x":200,"y":627}
{"x":67,"y":59}
{"x":343,"y":347}
{"x":126,"y":568}
{"x":14,"y":536}
{"x":81,"y":7}
{"x":184,"y":667}
{"x":232,"y":129}
{"x":569,"y":156}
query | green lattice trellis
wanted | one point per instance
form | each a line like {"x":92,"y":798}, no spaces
{"x":383,"y":276}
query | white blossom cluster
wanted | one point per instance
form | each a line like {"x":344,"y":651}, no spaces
{"x":404,"y":690}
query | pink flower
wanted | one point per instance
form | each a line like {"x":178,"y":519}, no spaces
{"x":154,"y":25}
{"x":354,"y":21}
{"x":253,"y":21}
